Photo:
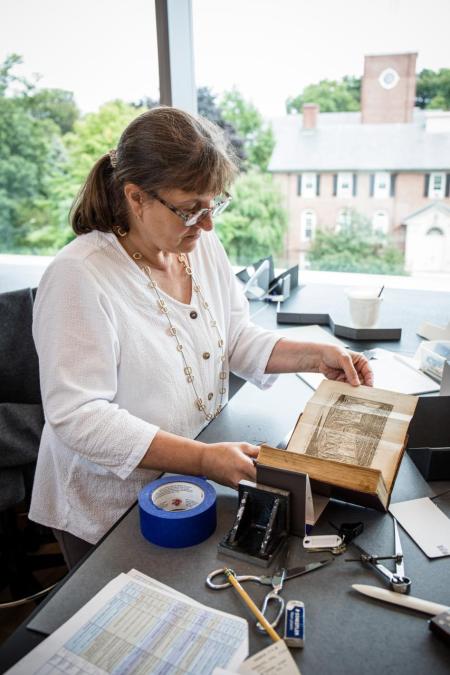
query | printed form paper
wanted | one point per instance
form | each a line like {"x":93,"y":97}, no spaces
{"x":131,"y":627}
{"x":273,"y":660}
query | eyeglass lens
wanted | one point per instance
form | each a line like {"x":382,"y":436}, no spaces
{"x":214,"y":211}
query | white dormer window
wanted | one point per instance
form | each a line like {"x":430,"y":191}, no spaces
{"x":308,"y":222}
{"x":382,"y":185}
{"x":436,"y":186}
{"x":344,"y":185}
{"x":309,"y":185}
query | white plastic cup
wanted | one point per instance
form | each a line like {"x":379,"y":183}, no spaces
{"x":364,"y":307}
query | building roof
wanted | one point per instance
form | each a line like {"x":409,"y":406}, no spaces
{"x":342,"y":143}
{"x":435,"y":206}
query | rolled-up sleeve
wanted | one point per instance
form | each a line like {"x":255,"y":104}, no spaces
{"x":79,"y":354}
{"x":250,"y":346}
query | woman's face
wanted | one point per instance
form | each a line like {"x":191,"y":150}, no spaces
{"x":158,"y":227}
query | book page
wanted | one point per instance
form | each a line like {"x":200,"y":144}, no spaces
{"x":355,"y":425}
{"x":133,"y":628}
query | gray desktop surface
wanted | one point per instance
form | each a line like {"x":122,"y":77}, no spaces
{"x":405,"y":308}
{"x":345,"y":632}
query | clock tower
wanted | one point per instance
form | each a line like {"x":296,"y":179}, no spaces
{"x":388,"y":88}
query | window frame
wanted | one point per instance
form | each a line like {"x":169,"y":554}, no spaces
{"x":310,"y":191}
{"x":346,"y":193}
{"x":382,"y":191}
{"x":308,"y":226}
{"x":434,"y":193}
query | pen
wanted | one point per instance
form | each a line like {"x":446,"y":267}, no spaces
{"x":231,"y":577}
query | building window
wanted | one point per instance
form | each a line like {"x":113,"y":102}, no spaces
{"x":436,"y":185}
{"x":435,"y":232}
{"x":380,"y":221}
{"x":308,"y":222}
{"x":344,"y":219}
{"x":345,"y":185}
{"x":382,"y":185}
{"x":307,"y":185}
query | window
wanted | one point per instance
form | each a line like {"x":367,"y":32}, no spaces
{"x":382,"y":185}
{"x":309,"y":222}
{"x":435,"y":232}
{"x":308,"y":185}
{"x":344,"y":219}
{"x":436,"y":185}
{"x":345,"y":185}
{"x":380,"y":221}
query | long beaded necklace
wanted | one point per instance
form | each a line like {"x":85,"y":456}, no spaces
{"x":163,"y":308}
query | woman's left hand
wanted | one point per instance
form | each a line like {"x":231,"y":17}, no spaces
{"x":344,"y":365}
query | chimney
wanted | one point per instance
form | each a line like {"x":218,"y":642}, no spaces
{"x":388,"y":88}
{"x":310,"y":114}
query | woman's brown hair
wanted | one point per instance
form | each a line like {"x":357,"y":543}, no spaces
{"x":164,"y":148}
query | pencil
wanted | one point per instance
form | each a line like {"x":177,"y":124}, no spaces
{"x":231,"y":577}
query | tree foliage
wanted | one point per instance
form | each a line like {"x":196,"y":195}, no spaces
{"x":207,"y":106}
{"x":433,"y":89}
{"x":356,"y":247}
{"x":254,"y":224}
{"x":330,"y":95}
{"x":259,"y":140}
{"x":54,"y":104}
{"x":92,"y":136}
{"x":30,"y":148}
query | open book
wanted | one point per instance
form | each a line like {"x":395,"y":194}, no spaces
{"x":350,"y":440}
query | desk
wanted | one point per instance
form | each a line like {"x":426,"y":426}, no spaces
{"x":346,"y":632}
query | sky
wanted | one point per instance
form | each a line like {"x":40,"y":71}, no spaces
{"x":268,"y":49}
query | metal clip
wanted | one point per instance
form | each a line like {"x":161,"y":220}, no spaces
{"x":331,"y":543}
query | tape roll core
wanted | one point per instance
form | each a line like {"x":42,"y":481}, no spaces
{"x":177,"y":511}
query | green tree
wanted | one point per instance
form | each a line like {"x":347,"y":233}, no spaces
{"x":433,"y":89}
{"x":207,"y":107}
{"x":255,"y":222}
{"x":30,"y":146}
{"x":356,"y":247}
{"x":330,"y":95}
{"x":54,"y":104}
{"x":259,"y":140}
{"x":92,"y":136}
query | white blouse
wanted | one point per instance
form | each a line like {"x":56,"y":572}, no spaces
{"x":111,"y":375}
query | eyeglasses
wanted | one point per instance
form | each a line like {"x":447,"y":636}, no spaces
{"x":220,"y":204}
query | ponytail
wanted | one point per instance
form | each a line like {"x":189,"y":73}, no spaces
{"x":164,"y":148}
{"x":96,"y":205}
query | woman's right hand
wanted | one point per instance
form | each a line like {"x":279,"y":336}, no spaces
{"x":228,"y":463}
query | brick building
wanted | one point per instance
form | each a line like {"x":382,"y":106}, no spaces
{"x":390,"y":163}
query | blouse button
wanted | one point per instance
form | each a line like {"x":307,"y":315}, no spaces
{"x":206,"y":355}
{"x":193,"y":314}
{"x":210,"y":395}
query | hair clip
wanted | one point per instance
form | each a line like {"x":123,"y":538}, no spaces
{"x":113,"y":157}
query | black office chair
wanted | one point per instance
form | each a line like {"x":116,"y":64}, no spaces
{"x":21,"y":423}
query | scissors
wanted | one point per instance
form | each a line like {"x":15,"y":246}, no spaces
{"x":397,"y":580}
{"x":276,"y":580}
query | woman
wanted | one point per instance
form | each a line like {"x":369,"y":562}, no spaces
{"x":138,"y":322}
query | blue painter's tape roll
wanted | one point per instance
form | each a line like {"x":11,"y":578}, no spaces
{"x":177,"y":511}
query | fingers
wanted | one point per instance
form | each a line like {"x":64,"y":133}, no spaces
{"x":249,"y":471}
{"x":363,"y":369}
{"x":250,"y":450}
{"x":350,"y":373}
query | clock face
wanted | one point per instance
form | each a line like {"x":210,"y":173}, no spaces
{"x":389,"y":78}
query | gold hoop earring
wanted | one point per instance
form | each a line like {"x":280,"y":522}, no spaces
{"x":121,"y":232}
